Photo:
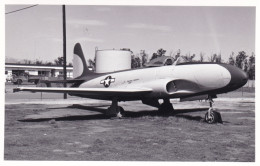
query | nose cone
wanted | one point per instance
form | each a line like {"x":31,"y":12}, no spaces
{"x":238,"y":77}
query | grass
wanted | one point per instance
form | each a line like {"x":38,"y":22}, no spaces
{"x":142,"y":136}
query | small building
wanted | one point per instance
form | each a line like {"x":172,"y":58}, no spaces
{"x":37,"y":70}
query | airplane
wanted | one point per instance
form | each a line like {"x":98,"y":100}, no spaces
{"x":185,"y":80}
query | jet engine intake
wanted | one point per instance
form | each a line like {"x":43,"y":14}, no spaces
{"x":181,"y":85}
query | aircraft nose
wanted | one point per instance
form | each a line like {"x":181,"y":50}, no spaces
{"x":238,"y":77}
{"x":244,"y":77}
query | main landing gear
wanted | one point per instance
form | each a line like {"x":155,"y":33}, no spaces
{"x":166,"y":107}
{"x":212,"y":116}
{"x":114,"y":110}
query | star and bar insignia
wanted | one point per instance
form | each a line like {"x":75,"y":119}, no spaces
{"x":107,"y":81}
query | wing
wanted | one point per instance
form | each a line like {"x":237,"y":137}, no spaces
{"x":89,"y":91}
{"x":63,"y":81}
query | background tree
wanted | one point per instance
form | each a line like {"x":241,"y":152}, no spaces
{"x":231,"y":59}
{"x":189,"y":57}
{"x":251,"y":67}
{"x":49,"y":63}
{"x":218,"y":58}
{"x":240,"y":59}
{"x":245,"y":65}
{"x":92,"y":63}
{"x":59,"y":61}
{"x":212,"y":58}
{"x":201,"y":57}
{"x":27,"y":61}
{"x":144,"y":57}
{"x":135,"y":61}
{"x":38,"y":62}
{"x":215,"y":58}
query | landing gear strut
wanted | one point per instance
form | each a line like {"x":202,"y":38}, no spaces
{"x":114,"y":110}
{"x":212,"y":116}
{"x":166,"y":106}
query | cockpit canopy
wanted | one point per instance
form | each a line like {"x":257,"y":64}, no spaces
{"x":180,"y":60}
{"x":165,"y":61}
{"x":160,"y":61}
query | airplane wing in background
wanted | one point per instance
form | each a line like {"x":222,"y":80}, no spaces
{"x":63,"y":81}
{"x":89,"y":91}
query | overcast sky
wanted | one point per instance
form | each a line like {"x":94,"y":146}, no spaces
{"x":36,"y":33}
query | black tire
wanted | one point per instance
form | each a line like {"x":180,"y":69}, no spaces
{"x":36,"y":82}
{"x":122,"y":111}
{"x":48,"y":84}
{"x":119,"y":114}
{"x":213,"y":118}
{"x":166,"y":108}
{"x":19,"y":82}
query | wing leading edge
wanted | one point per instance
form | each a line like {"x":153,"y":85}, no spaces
{"x":90,"y":91}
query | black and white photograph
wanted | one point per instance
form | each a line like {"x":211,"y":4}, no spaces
{"x":129,"y":82}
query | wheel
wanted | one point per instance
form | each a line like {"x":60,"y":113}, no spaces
{"x":121,"y":111}
{"x":19,"y":82}
{"x":213,"y":117}
{"x":48,"y":84}
{"x":118,"y":113}
{"x":36,"y":82}
{"x":166,"y":108}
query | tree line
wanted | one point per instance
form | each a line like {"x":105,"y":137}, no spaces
{"x":56,"y":62}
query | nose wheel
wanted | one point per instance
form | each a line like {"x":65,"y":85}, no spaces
{"x":212,"y":116}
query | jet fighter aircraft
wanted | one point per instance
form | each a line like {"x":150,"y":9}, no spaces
{"x":185,"y":80}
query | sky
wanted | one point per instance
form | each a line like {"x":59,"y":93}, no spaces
{"x":36,"y":33}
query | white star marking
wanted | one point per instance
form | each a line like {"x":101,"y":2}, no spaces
{"x":107,"y":81}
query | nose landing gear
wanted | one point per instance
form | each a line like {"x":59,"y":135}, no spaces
{"x":212,"y":116}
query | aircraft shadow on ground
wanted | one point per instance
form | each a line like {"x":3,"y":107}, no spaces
{"x":180,"y":113}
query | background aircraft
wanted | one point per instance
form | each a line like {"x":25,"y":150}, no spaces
{"x":187,"y":81}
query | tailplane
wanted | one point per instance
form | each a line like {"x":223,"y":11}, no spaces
{"x":80,"y":68}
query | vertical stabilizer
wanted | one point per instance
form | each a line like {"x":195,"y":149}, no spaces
{"x":80,"y":68}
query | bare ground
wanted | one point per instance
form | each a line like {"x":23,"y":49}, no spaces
{"x":144,"y":135}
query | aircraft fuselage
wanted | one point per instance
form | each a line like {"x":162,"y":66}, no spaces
{"x":172,"y":81}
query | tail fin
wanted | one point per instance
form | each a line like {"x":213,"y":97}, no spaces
{"x":80,"y":68}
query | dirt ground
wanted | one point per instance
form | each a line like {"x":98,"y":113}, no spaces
{"x":75,"y":129}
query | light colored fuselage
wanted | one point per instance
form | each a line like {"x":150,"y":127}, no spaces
{"x":167,"y":81}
